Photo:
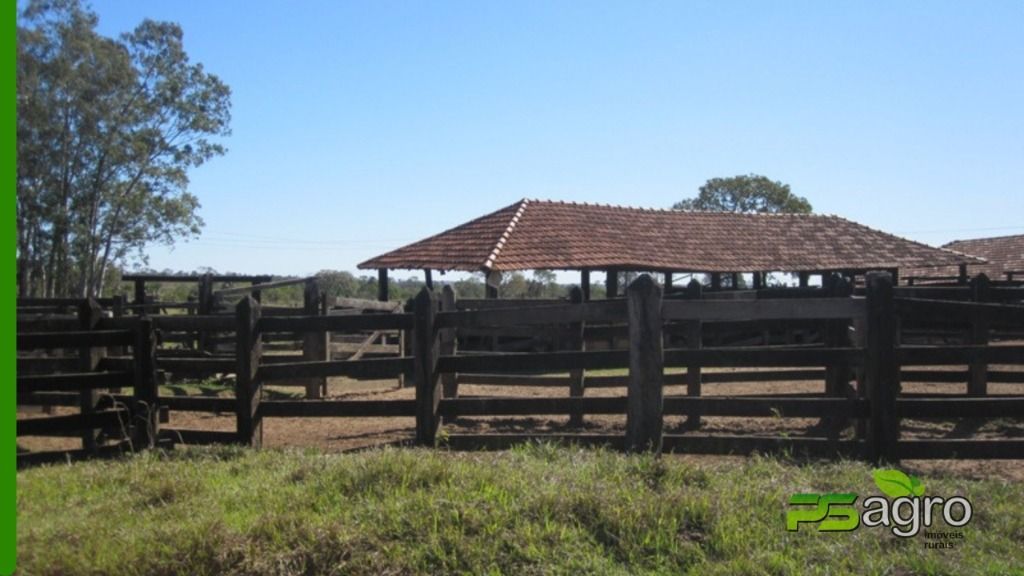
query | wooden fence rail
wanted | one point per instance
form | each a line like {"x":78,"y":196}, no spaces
{"x":857,"y":354}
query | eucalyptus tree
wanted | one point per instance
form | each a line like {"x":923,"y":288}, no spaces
{"x":108,"y":129}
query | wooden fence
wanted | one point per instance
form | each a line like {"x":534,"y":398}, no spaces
{"x":857,"y":353}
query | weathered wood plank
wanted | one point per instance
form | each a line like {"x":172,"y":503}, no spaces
{"x":544,"y":361}
{"x":532,"y":406}
{"x":766,"y":406}
{"x":73,"y":424}
{"x":961,"y":449}
{"x":353,"y":323}
{"x":76,"y":339}
{"x":949,"y":311}
{"x":960,"y":407}
{"x":193,"y":323}
{"x":747,"y":311}
{"x":763,"y":356}
{"x":959,"y":355}
{"x":73,"y":381}
{"x":368,"y":369}
{"x":566,"y":313}
{"x":338,"y":408}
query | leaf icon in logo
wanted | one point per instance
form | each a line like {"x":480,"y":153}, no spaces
{"x":896,"y":484}
{"x":916,"y":486}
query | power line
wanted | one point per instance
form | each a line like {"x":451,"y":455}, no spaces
{"x":992,"y":229}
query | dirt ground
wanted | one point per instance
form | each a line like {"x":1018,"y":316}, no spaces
{"x":342,"y":434}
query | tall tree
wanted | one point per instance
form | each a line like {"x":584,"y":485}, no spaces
{"x":750,"y":193}
{"x":107,"y":131}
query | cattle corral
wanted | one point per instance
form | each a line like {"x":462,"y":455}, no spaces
{"x":874,"y":371}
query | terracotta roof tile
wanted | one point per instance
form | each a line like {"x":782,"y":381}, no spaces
{"x":1003,"y":253}
{"x":541,"y":234}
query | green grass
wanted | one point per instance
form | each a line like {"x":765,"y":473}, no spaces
{"x":535,"y":510}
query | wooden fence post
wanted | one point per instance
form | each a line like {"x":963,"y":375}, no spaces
{"x":146,"y":394}
{"x":576,"y":341}
{"x":248,"y":387}
{"x":449,"y":344}
{"x":140,"y":297}
{"x":314,"y":344}
{"x":646,"y":366}
{"x":881,"y":369}
{"x":695,"y":340}
{"x":428,"y":393}
{"x":977,"y":384}
{"x":89,"y":316}
{"x":836,"y":335}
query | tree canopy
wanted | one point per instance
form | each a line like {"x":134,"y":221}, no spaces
{"x":107,"y":131}
{"x":750,"y":193}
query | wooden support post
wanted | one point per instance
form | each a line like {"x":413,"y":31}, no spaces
{"x":428,"y":393}
{"x":89,"y":316}
{"x":146,"y":394}
{"x":140,"y":297}
{"x":315,"y":345}
{"x":734,"y":279}
{"x":758,"y":282}
{"x":646,"y":366}
{"x":694,"y":339}
{"x":977,"y":385}
{"x":382,"y":284}
{"x":668,"y":282}
{"x":428,"y":278}
{"x":881,"y":369}
{"x":490,"y":292}
{"x":716,"y":281}
{"x":962,"y":276}
{"x":576,"y":341}
{"x":836,"y":334}
{"x":611,"y":283}
{"x":805,"y":278}
{"x":449,"y":343}
{"x":248,"y":388}
{"x":585,"y":284}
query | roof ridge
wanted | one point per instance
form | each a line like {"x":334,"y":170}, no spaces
{"x":671,"y":210}
{"x":503,"y":239}
{"x":363,"y":265}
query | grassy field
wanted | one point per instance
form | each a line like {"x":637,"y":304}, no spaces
{"x":538,"y":509}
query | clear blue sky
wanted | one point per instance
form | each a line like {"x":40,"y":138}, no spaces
{"x":361,"y":126}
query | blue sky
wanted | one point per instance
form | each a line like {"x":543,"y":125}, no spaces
{"x":361,"y":126}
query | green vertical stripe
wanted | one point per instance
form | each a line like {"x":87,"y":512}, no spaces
{"x":8,"y":474}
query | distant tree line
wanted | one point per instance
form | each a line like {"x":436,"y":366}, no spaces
{"x":344,"y":284}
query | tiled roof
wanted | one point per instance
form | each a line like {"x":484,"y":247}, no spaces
{"x":541,"y":234}
{"x":1004,"y":254}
